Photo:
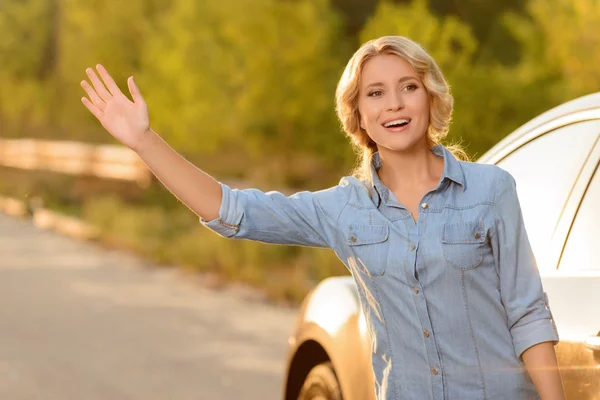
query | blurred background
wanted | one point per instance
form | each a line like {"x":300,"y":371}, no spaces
{"x":245,"y":90}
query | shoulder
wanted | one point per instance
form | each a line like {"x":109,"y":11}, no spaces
{"x":475,"y":170}
{"x":330,"y":201}
{"x":498,"y":185}
{"x":334,"y":195}
{"x":485,"y":176}
{"x":485,"y":184}
{"x":348,"y":190}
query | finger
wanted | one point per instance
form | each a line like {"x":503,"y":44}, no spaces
{"x":98,"y":85}
{"x":96,"y":100}
{"x":93,"y":109}
{"x":136,"y":95}
{"x":108,"y":80}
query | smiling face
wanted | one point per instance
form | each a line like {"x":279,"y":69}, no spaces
{"x":393,"y":104}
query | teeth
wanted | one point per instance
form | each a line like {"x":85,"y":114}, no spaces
{"x":396,"y":122}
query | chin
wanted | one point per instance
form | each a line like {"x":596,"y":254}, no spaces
{"x":401,"y":145}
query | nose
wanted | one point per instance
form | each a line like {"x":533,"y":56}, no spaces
{"x":395,"y":101}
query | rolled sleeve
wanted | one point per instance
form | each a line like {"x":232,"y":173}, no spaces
{"x":227,"y":224}
{"x":304,"y":218}
{"x":538,"y":331}
{"x":528,"y":313}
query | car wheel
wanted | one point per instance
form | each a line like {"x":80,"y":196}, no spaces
{"x":321,"y":384}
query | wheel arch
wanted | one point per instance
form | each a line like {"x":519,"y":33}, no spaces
{"x":309,"y":354}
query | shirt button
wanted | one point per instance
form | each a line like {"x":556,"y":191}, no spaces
{"x":477,"y":236}
{"x":352,"y":239}
{"x":412,"y":247}
{"x":424,"y":206}
{"x":434,"y":370}
{"x":426,"y":333}
{"x":416,"y":289}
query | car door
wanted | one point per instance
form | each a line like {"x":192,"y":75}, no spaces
{"x":561,"y":204}
{"x":577,"y":284}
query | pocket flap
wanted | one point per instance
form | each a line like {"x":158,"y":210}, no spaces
{"x":367,"y":234}
{"x":464,"y":232}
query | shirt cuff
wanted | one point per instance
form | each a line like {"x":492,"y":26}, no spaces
{"x":227,"y":224}
{"x":535,"y":332}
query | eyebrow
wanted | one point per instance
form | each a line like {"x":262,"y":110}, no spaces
{"x":403,"y":79}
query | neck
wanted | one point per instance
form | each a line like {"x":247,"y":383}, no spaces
{"x":413,"y":168}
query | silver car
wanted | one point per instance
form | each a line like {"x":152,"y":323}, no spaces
{"x":555,"y":160}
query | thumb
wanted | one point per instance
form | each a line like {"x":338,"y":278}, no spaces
{"x":134,"y":90}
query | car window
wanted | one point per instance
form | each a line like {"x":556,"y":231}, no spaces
{"x":545,"y":170}
{"x":585,"y":232}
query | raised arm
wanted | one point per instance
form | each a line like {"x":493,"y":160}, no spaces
{"x":268,"y":217}
{"x":128,"y":121}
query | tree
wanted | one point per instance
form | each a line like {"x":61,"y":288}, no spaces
{"x":569,"y":43}
{"x":25,"y":56}
{"x":91,"y":32}
{"x":256,"y":76}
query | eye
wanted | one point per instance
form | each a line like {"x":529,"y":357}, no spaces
{"x":411,"y":87}
{"x":375,"y":93}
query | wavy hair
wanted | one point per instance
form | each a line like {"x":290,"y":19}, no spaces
{"x":440,"y":107}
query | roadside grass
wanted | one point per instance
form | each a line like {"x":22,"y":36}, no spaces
{"x":176,"y":237}
{"x":152,"y":223}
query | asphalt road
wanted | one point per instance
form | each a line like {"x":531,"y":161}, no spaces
{"x":81,"y":322}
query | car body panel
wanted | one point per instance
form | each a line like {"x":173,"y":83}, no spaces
{"x":579,"y":367}
{"x":330,"y":316}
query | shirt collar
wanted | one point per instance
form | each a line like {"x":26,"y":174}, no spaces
{"x":452,"y":168}
{"x":452,"y":171}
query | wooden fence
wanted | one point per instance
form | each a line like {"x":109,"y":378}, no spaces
{"x":74,"y":158}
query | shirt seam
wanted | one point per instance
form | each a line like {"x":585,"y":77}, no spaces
{"x":495,"y":203}
{"x":337,"y":220}
{"x":516,"y":326}
{"x":314,"y":235}
{"x":360,"y":206}
{"x":334,"y":224}
{"x":387,"y":332}
{"x":458,"y":208}
{"x":481,"y":203}
{"x":466,"y":301}
{"x":309,"y":235}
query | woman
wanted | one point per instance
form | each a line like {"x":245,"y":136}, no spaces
{"x":437,"y":246}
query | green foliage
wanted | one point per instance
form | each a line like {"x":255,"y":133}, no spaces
{"x":254,"y":79}
{"x":175,"y":237}
{"x":449,"y":41}
{"x":23,"y":22}
{"x":245,"y":89}
{"x":258,"y":73}
{"x":485,"y":20}
{"x":25,"y":27}
{"x":561,"y":38}
{"x":92,"y":32}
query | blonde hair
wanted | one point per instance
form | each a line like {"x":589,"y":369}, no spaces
{"x":441,"y":101}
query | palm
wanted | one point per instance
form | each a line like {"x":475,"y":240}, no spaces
{"x":123,"y":119}
{"x":126,"y":120}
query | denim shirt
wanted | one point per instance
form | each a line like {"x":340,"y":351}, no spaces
{"x":451,"y":300}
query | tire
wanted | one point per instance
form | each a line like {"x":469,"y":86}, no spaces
{"x":321,"y":384}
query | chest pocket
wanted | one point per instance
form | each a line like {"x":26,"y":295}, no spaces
{"x":463,"y":244}
{"x":370,"y":246}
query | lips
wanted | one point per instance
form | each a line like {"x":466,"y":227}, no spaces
{"x":399,"y":120}
{"x":396,"y":124}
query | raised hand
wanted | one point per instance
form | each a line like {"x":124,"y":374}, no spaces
{"x":127,"y":121}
